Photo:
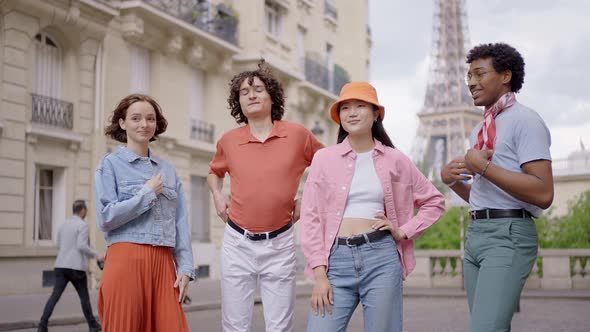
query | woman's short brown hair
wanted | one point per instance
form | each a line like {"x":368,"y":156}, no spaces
{"x":117,"y":133}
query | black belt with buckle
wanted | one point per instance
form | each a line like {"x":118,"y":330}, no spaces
{"x":498,"y":213}
{"x":357,"y":240}
{"x":259,"y":236}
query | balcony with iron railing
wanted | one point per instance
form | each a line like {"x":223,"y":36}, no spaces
{"x":555,"y":269}
{"x":202,"y":131}
{"x":52,"y":112}
{"x":322,"y":76}
{"x":340,"y":78}
{"x":317,"y":73}
{"x":219,"y":20}
{"x":577,"y":165}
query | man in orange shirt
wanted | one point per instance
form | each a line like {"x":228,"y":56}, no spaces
{"x":265,"y":159}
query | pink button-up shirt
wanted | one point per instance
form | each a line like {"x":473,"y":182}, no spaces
{"x":326,"y":191}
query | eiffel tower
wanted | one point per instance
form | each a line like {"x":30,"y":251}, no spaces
{"x":448,"y":115}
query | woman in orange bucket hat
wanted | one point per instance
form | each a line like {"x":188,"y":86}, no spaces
{"x":357,"y":218}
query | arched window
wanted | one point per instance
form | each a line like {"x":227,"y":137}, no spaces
{"x":48,"y":66}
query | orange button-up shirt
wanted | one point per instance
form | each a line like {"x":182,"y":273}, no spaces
{"x":265,"y":175}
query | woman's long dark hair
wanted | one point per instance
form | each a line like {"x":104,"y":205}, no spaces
{"x":378,"y":131}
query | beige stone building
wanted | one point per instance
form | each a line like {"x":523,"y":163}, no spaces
{"x":571,"y":178}
{"x":66,"y":63}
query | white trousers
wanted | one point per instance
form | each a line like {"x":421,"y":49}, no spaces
{"x":244,"y":264}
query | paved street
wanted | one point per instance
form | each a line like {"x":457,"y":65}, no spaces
{"x":423,"y":314}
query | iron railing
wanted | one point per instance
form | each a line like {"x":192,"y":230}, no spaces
{"x":340,"y":78}
{"x":320,"y":75}
{"x":202,"y":131}
{"x":218,"y":20}
{"x":330,"y":10}
{"x":52,"y":112}
{"x":578,"y":165}
{"x":317,"y":73}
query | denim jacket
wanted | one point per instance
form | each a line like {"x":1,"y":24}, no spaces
{"x":129,"y":211}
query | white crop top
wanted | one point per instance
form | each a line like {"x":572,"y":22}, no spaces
{"x":365,"y":198}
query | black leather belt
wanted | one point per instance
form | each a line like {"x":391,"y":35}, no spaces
{"x":259,"y":236}
{"x":357,"y":240}
{"x":496,"y":213}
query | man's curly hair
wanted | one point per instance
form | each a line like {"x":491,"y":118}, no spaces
{"x":504,"y":57}
{"x":272,"y":85}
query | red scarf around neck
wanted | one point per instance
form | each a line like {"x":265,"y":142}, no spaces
{"x":486,"y":138}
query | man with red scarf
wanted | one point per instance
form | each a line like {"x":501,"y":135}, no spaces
{"x":512,"y":182}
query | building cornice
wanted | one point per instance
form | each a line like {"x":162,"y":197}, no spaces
{"x":318,"y":91}
{"x":244,"y":60}
{"x":176,"y":26}
{"x":195,"y":148}
{"x":35,"y":132}
{"x":23,"y":252}
{"x":89,"y":16}
{"x":103,"y":7}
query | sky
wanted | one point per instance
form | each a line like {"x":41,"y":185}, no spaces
{"x":553,"y":37}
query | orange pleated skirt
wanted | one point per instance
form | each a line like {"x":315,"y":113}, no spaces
{"x":137,"y":291}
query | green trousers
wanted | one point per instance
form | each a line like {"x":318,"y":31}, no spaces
{"x":499,"y":255}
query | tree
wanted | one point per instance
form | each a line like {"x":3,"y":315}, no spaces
{"x":444,"y":234}
{"x":569,"y":231}
{"x":423,"y":166}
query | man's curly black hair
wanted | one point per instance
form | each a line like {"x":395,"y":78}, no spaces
{"x":272,"y":85}
{"x":504,"y":57}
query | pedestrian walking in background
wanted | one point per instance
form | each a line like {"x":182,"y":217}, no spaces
{"x":141,"y":209}
{"x":71,"y":265}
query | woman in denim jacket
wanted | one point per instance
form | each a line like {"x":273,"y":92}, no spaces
{"x":140,"y":207}
{"x":357,"y":218}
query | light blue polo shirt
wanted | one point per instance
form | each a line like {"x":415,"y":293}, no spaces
{"x":521,"y":136}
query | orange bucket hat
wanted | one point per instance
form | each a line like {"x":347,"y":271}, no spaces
{"x":356,"y":90}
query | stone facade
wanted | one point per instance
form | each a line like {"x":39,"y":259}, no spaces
{"x":571,"y":178}
{"x":91,"y":53}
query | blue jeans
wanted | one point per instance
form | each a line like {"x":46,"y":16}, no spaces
{"x":370,"y":273}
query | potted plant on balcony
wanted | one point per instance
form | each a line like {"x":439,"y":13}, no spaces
{"x":196,"y":14}
{"x":227,"y":14}
{"x":226,"y":22}
{"x":191,"y":15}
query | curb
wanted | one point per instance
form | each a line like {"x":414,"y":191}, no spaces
{"x":75,"y":320}
{"x":31,"y":324}
{"x":583,"y":295}
{"x":526,"y":294}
